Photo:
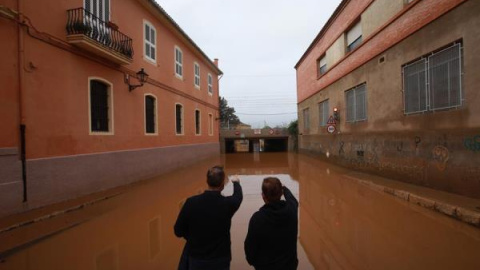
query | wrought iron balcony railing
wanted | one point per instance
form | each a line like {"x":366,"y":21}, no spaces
{"x":82,"y":22}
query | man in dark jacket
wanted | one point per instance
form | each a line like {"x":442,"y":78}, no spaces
{"x":271,"y":242}
{"x":205,"y":222}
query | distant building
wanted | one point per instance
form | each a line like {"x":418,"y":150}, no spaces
{"x":75,"y":110}
{"x":243,"y":126}
{"x":404,"y":78}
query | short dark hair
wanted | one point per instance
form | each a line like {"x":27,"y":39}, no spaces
{"x":272,"y":189}
{"x":215,"y":176}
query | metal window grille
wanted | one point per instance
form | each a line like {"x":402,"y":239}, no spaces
{"x":197,"y":122}
{"x":434,"y":82}
{"x":445,"y":78}
{"x":415,"y":83}
{"x":179,"y":118}
{"x":356,"y":100}
{"x":306,"y":119}
{"x":323,"y":108}
{"x":150,"y":114}
{"x":99,"y":106}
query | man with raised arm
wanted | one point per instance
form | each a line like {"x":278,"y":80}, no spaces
{"x":205,"y":221}
{"x":271,"y":242}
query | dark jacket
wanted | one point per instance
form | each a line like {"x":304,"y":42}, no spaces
{"x":205,"y":221}
{"x":271,"y":241}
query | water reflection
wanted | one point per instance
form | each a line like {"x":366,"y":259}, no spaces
{"x":343,"y":225}
{"x":130,"y":231}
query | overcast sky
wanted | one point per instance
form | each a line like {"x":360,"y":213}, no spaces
{"x":258,"y":43}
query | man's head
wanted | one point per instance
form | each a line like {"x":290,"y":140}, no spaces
{"x":216,"y":177}
{"x":272,"y":189}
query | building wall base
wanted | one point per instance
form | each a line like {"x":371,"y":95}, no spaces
{"x":442,"y":160}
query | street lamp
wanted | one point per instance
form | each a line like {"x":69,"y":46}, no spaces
{"x":141,"y":76}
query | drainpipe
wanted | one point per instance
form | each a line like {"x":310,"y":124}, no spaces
{"x":21,"y":102}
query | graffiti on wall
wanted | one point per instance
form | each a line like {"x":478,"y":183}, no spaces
{"x":472,"y":144}
{"x":440,"y":157}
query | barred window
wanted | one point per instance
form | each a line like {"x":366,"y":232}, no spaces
{"x":197,"y":122}
{"x":196,"y":70}
{"x":306,"y":120}
{"x":99,"y":107}
{"x":150,"y":114}
{"x":150,"y":41}
{"x":434,"y":82}
{"x":323,"y":109}
{"x":356,"y":100}
{"x":178,"y":62}
{"x":179,"y":119}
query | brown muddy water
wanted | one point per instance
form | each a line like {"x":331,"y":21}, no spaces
{"x":343,"y":225}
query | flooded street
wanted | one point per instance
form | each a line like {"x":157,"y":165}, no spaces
{"x":343,"y":224}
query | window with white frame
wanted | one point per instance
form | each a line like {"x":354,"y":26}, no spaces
{"x":434,"y":82}
{"x":150,"y":41}
{"x":150,"y":114}
{"x":197,"y":122}
{"x":323,"y":109}
{"x":354,"y":36}
{"x":306,"y":120}
{"x":356,"y":100}
{"x":210,"y":124}
{"x":99,"y":8}
{"x":179,"y":119}
{"x":322,"y":65}
{"x":210,"y":84}
{"x":101,"y":107}
{"x":178,"y":62}
{"x":196,"y":72}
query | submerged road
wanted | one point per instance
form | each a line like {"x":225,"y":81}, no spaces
{"x":343,"y":224}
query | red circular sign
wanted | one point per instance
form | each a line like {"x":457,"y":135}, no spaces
{"x":331,"y":128}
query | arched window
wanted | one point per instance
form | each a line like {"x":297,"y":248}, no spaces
{"x":197,"y":123}
{"x":179,"y":119}
{"x":100,"y":107}
{"x":150,"y":114}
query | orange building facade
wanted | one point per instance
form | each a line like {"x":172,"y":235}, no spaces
{"x":391,"y":87}
{"x":76,"y":116}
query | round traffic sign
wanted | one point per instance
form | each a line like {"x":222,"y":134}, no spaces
{"x":331,"y":128}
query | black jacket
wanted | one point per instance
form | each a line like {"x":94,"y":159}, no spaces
{"x":205,"y":222}
{"x":271,"y":242}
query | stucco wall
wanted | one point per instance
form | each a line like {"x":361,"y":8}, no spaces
{"x":56,"y":179}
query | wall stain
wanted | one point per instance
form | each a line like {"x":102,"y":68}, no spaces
{"x":440,"y":157}
{"x":341,"y":152}
{"x":472,"y":144}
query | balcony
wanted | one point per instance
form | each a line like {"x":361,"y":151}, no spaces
{"x":88,"y":32}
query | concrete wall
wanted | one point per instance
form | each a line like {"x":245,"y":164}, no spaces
{"x":436,"y":149}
